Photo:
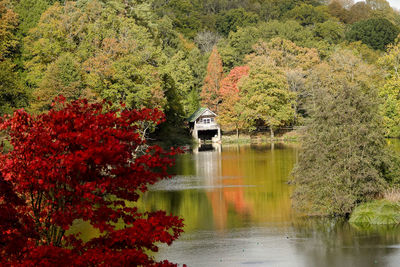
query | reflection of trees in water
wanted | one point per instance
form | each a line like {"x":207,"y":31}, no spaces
{"x":335,"y":242}
{"x":241,"y":184}
{"x":226,"y":186}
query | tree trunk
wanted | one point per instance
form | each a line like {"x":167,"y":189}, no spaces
{"x":237,"y":133}
{"x":272,"y":133}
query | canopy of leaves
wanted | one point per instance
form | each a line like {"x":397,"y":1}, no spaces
{"x":12,"y":93}
{"x":230,"y":21}
{"x":114,"y":57}
{"x":308,"y":15}
{"x":85,"y":162}
{"x":377,"y":33}
{"x":265,"y":97}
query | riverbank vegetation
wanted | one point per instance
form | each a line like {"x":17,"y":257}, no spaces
{"x":344,"y":160}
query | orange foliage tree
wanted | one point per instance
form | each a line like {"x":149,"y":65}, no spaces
{"x":229,"y":115}
{"x":210,"y":92}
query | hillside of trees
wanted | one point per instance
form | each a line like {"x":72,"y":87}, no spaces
{"x":256,"y":62}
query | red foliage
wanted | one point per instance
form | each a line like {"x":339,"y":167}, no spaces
{"x":229,"y":85}
{"x":82,"y":161}
{"x":229,"y":92}
{"x":209,"y":93}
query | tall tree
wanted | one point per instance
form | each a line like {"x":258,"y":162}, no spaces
{"x":265,"y":97}
{"x":230,"y":110}
{"x":296,"y":62}
{"x":212,"y":81}
{"x":343,"y":160}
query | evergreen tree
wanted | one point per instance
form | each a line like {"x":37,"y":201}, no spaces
{"x":375,"y":32}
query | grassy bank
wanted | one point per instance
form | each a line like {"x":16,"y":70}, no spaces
{"x":261,"y":137}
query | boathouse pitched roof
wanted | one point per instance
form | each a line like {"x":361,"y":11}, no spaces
{"x":198,"y":113}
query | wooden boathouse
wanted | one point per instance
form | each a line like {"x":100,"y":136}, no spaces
{"x":203,"y":125}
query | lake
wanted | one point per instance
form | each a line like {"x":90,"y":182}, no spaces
{"x":237,"y":208}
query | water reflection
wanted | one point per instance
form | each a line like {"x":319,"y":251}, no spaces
{"x":237,"y":209}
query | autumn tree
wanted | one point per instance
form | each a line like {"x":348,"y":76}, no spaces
{"x":83,"y":162}
{"x":296,"y":63}
{"x":230,"y":109}
{"x":210,"y":91}
{"x":343,"y":160}
{"x":265,"y":97}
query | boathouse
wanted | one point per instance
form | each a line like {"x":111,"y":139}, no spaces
{"x":203,"y":125}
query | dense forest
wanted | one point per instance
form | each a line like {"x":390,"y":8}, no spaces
{"x":256,"y":62}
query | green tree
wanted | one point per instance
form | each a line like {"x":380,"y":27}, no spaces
{"x":234,"y":18}
{"x":377,"y":33}
{"x":296,"y":62}
{"x":184,"y":81}
{"x":265,"y":98}
{"x":12,"y":92}
{"x":308,"y":15}
{"x":331,"y":31}
{"x":185,"y":16}
{"x":64,"y":76}
{"x":29,"y":12}
{"x":343,"y":160}
{"x":241,"y":43}
{"x":390,"y":90}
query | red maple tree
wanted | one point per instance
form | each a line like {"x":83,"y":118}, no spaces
{"x":209,"y":93}
{"x":229,"y":111}
{"x":85,"y":162}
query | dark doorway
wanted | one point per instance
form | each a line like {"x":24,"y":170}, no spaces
{"x":207,"y":135}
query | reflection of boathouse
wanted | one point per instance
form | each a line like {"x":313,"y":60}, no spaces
{"x":203,"y":125}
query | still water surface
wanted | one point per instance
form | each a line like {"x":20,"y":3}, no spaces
{"x":237,"y":209}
